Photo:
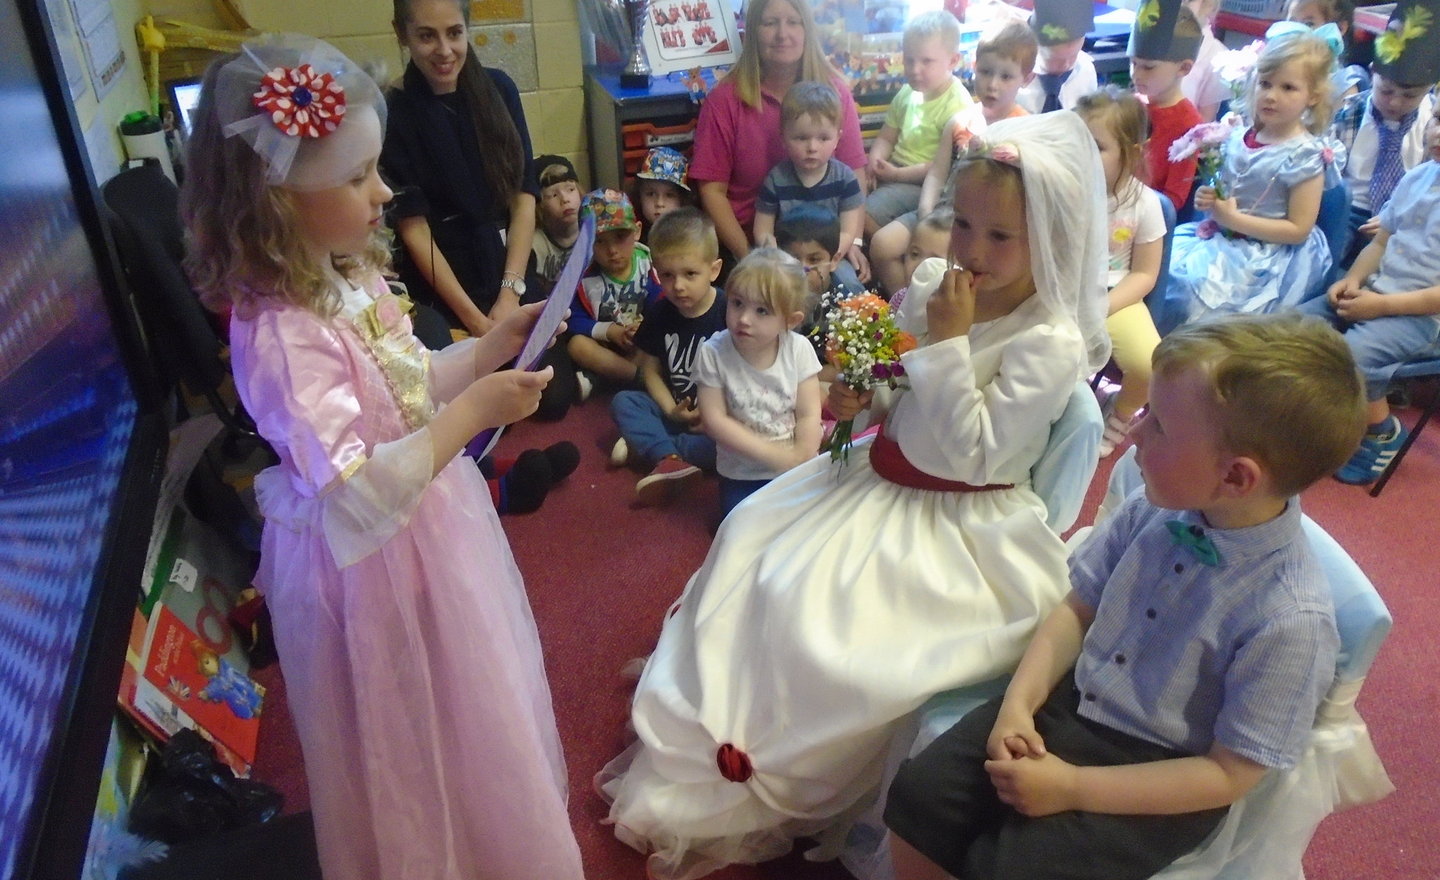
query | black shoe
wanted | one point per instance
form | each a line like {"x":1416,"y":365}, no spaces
{"x":564,"y":458}
{"x":525,"y":485}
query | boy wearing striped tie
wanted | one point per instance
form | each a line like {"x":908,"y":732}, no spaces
{"x":1383,"y":128}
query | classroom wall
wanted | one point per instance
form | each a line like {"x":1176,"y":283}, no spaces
{"x":506,"y":33}
{"x":99,"y":117}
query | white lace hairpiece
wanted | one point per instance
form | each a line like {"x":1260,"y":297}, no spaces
{"x":288,"y":96}
{"x":1066,"y":214}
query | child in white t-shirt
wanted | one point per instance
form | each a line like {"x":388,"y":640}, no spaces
{"x":1117,"y":121}
{"x":759,"y":390}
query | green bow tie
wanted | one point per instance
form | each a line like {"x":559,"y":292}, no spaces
{"x":1193,"y":538}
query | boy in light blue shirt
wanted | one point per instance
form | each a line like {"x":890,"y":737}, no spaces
{"x":1388,"y":304}
{"x":1194,"y":648}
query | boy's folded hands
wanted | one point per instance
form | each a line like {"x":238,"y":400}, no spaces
{"x":1039,"y":786}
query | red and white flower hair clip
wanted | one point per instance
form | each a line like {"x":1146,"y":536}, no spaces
{"x":301,"y":101}
{"x":305,"y":109}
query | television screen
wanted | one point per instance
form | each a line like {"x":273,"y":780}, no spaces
{"x":80,"y":448}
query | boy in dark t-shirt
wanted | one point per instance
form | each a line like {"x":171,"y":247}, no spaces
{"x":810,"y":234}
{"x":660,"y":426}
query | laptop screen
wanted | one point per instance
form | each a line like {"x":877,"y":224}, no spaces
{"x":184,"y":95}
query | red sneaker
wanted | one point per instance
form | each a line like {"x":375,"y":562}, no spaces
{"x":665,"y":481}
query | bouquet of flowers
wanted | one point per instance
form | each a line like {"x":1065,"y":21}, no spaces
{"x":1206,"y":141}
{"x":865,"y":345}
{"x":1233,"y":66}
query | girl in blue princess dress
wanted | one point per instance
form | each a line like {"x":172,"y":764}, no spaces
{"x":1260,"y":250}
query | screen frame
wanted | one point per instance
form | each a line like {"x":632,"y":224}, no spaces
{"x":58,"y":831}
{"x":172,"y":91}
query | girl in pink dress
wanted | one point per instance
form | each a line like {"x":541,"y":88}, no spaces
{"x":410,"y":655}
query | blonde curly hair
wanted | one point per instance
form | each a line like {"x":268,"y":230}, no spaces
{"x":242,"y":243}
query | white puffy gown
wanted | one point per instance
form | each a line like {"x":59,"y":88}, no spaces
{"x":834,"y":602}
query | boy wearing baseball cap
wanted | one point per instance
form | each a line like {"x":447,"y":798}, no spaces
{"x":612,"y":294}
{"x":557,"y":215}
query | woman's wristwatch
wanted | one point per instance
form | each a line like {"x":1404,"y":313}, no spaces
{"x":513,"y":281}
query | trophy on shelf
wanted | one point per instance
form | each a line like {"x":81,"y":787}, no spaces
{"x":636,"y":74}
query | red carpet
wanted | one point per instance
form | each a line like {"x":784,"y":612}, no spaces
{"x":602,"y":573}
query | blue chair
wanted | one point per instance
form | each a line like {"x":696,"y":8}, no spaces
{"x":1428,"y":368}
{"x":1165,"y":315}
{"x":1334,"y":223}
{"x":1064,"y":471}
{"x":1267,"y":831}
{"x":1187,"y":212}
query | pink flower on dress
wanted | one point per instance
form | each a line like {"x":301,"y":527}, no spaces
{"x":301,"y":102}
{"x":1007,"y":153}
{"x":1327,"y":155}
{"x":387,"y":309}
{"x":387,"y":317}
{"x":1207,"y":229}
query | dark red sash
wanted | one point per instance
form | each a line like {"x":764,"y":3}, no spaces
{"x":890,"y":463}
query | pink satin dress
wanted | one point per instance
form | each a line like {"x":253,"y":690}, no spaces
{"x":409,"y":650}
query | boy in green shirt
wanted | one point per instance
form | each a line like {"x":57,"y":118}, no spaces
{"x":902,"y":150}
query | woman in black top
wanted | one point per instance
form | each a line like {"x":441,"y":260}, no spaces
{"x":457,"y":152}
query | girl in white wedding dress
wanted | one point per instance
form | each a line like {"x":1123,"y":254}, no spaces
{"x":837,"y":599}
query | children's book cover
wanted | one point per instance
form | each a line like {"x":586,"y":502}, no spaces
{"x":185,"y":666}
{"x":184,"y":683}
{"x":174,"y":679}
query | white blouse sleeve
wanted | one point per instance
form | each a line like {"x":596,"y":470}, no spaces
{"x":991,"y":432}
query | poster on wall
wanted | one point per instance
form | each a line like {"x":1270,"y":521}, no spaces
{"x":66,"y":41}
{"x":100,"y":36}
{"x":681,"y":34}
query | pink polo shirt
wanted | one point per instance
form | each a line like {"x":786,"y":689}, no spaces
{"x":738,"y":145}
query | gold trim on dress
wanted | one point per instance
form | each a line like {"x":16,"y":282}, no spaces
{"x":384,"y":326}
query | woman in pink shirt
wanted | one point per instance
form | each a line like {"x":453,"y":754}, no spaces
{"x":738,"y":138}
